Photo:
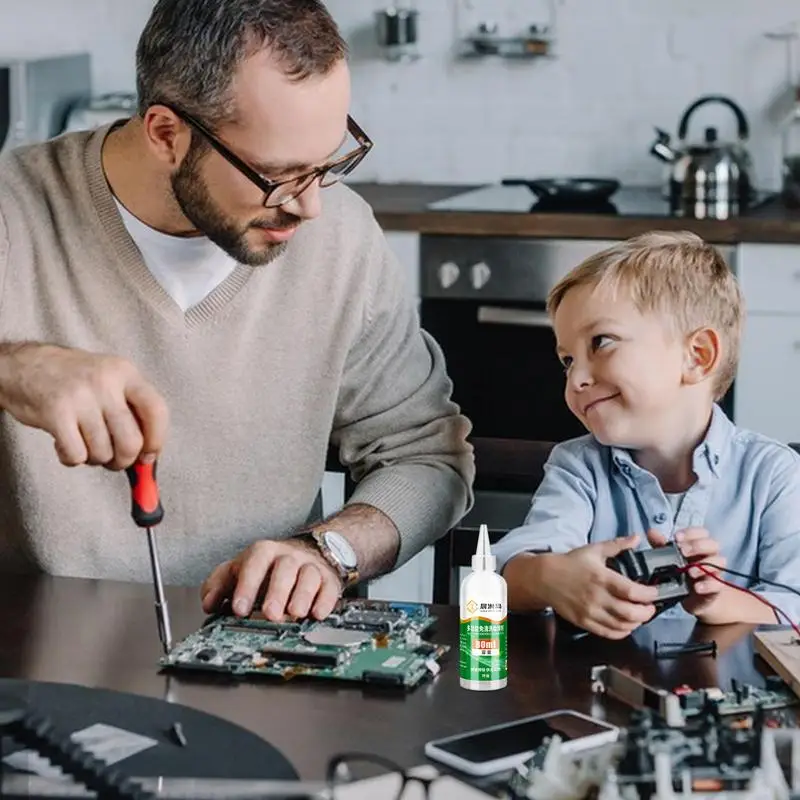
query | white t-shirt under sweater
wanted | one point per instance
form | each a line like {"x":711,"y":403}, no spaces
{"x":189,"y":268}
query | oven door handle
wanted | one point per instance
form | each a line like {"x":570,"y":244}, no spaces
{"x":498,"y":315}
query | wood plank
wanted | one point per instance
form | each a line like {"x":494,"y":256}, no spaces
{"x":781,"y":650}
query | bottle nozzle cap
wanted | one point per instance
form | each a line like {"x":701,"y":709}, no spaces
{"x":483,"y":558}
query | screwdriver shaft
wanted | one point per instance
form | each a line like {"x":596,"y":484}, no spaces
{"x":162,"y":610}
{"x":147,"y":511}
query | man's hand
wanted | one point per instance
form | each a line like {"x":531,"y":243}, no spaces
{"x":585,"y":591}
{"x":697,"y":546}
{"x":288,"y":578}
{"x":98,"y":408}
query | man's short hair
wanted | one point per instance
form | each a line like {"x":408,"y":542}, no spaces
{"x":189,"y":50}
{"x":677,"y":275}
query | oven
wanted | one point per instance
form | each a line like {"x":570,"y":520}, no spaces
{"x":483,"y":300}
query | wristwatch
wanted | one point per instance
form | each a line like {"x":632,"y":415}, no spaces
{"x":337,"y":551}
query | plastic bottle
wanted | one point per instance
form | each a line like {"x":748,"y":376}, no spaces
{"x":483,"y":663}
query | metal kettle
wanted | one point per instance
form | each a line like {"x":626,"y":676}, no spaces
{"x":708,"y":179}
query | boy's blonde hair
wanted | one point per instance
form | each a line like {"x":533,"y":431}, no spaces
{"x":675,"y":274}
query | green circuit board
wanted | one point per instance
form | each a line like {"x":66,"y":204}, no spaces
{"x":367,"y":641}
{"x":740,"y":699}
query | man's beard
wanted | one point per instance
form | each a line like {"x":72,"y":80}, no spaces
{"x":191,"y":194}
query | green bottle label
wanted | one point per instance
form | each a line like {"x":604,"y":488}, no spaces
{"x":483,"y":649}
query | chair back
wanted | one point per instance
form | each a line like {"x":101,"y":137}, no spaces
{"x":501,"y":465}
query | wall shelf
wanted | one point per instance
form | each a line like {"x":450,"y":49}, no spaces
{"x":485,"y":42}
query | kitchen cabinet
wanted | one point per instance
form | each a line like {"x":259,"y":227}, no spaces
{"x":405,"y":245}
{"x":769,"y":275}
{"x":768,"y":383}
{"x":768,"y":378}
{"x":413,"y":582}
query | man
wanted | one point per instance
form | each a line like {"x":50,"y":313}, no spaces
{"x":180,"y":263}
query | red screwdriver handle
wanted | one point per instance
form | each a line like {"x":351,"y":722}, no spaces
{"x":146,"y":508}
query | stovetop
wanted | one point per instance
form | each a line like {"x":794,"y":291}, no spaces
{"x":627,"y":201}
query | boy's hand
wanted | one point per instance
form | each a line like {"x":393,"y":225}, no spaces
{"x":697,"y":546}
{"x":584,"y":591}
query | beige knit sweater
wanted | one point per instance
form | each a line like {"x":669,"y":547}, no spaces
{"x":324,"y":342}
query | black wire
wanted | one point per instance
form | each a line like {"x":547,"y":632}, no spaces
{"x":755,"y":578}
{"x":778,"y":612}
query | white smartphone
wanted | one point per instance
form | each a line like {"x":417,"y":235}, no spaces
{"x":486,"y":751}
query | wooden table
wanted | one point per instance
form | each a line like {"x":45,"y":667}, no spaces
{"x":103,"y":633}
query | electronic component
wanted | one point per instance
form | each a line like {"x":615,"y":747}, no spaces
{"x":740,"y":744}
{"x":618,"y":684}
{"x":359,"y":619}
{"x":742,"y":698}
{"x":369,"y":641}
{"x":711,"y":758}
{"x":661,"y":567}
{"x":680,"y":705}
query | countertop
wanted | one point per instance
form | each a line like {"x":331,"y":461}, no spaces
{"x":402,"y":207}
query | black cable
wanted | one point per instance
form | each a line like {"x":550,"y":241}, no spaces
{"x":37,"y":732}
{"x":778,"y":612}
{"x":754,"y":578}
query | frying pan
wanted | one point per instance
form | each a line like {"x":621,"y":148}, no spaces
{"x":580,"y":191}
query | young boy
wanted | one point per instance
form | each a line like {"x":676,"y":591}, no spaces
{"x":648,"y":332}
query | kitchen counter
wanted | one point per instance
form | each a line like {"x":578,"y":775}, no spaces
{"x":402,"y":207}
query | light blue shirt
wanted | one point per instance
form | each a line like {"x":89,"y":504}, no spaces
{"x":747,"y":495}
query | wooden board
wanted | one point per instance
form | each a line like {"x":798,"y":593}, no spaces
{"x":781,"y":650}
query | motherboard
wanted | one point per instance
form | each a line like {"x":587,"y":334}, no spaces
{"x":683,"y":703}
{"x":368,"y":641}
{"x":742,"y":698}
{"x":707,"y":744}
{"x":709,"y":759}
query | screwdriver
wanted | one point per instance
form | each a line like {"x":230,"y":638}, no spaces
{"x":147,"y":511}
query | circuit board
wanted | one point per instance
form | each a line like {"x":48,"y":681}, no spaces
{"x":713,"y":757}
{"x":684,"y":702}
{"x":742,"y":698}
{"x":368,"y":641}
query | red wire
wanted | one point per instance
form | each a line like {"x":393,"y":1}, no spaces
{"x":777,"y":611}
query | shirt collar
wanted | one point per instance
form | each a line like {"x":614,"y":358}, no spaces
{"x":708,"y":455}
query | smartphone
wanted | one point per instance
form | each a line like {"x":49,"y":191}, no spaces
{"x":486,"y":751}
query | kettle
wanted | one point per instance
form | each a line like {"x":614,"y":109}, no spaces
{"x":708,"y":179}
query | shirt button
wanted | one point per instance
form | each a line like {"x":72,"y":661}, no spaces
{"x":659,"y":518}
{"x":626,"y":468}
{"x":716,"y":459}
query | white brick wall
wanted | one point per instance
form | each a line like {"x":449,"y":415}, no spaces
{"x":623,"y":66}
{"x":108,"y":29}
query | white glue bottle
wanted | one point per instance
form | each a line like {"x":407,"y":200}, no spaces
{"x":483,"y":663}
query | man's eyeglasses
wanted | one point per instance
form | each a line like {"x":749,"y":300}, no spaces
{"x":389,"y":781}
{"x":278,"y":193}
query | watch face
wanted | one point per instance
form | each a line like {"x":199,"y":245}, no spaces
{"x":341,"y":549}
